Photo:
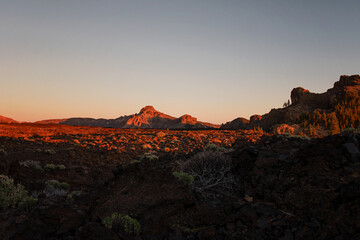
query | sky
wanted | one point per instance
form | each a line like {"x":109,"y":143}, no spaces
{"x":215,"y":60}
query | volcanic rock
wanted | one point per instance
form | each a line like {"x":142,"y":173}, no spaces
{"x":148,"y":117}
{"x":303,"y":101}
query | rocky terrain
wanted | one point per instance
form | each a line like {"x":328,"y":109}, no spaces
{"x":257,"y":185}
{"x":148,"y":117}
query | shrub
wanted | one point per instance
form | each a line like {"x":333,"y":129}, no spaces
{"x":14,"y":196}
{"x":28,"y":203}
{"x":211,"y":171}
{"x":214,"y":148}
{"x":51,"y":166}
{"x":149,"y":156}
{"x":128,"y":224}
{"x":31,"y":164}
{"x":75,"y":194}
{"x":50,"y":151}
{"x":57,"y":184}
{"x":55,"y":188}
{"x":185,"y":178}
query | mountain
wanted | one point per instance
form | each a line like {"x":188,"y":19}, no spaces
{"x":7,"y":120}
{"x":148,"y":117}
{"x":51,"y":121}
{"x":237,"y":123}
{"x":305,"y":103}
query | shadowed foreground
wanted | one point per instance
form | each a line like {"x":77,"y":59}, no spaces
{"x":278,"y":187}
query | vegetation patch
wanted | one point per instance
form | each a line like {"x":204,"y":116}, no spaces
{"x":128,"y":224}
{"x":31,"y":164}
{"x":344,"y":115}
{"x":212,"y":173}
{"x":12,"y":195}
{"x":50,"y":151}
{"x":57,"y":184}
{"x":51,"y":167}
{"x":214,"y":148}
{"x":74,"y":194}
{"x":185,"y":178}
{"x":149,"y":156}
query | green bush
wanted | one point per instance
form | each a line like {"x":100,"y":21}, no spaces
{"x":57,"y":184}
{"x":12,"y":195}
{"x":185,"y":178}
{"x":128,"y":224}
{"x":74,"y":194}
{"x":214,"y":148}
{"x":149,"y":156}
{"x":51,"y":166}
{"x":31,"y":164}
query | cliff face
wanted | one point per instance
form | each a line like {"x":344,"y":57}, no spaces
{"x":304,"y":101}
{"x":148,"y":117}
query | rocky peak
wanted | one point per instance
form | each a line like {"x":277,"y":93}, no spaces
{"x":255,"y":120}
{"x":188,"y":119}
{"x":347,"y":85}
{"x":297,"y":95}
{"x":346,"y":80}
{"x":148,"y":109}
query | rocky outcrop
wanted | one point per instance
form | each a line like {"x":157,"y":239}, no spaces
{"x":303,"y":101}
{"x":187,"y":119}
{"x":237,"y":123}
{"x":7,"y":120}
{"x":148,"y":117}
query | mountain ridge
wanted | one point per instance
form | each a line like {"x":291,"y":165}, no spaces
{"x":148,"y":117}
{"x":7,"y":120}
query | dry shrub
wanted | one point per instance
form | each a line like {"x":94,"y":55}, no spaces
{"x":212,"y":173}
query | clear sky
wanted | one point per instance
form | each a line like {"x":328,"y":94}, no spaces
{"x":215,"y":60}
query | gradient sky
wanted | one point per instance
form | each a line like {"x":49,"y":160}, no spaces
{"x":215,"y":60}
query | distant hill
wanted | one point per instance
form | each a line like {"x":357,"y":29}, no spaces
{"x":237,"y":123}
{"x":7,"y":120}
{"x":51,"y":121}
{"x":148,"y":117}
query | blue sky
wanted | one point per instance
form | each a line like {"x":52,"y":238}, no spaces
{"x":215,"y":60}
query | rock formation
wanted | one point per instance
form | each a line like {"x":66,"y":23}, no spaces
{"x":148,"y":117}
{"x":303,"y":101}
